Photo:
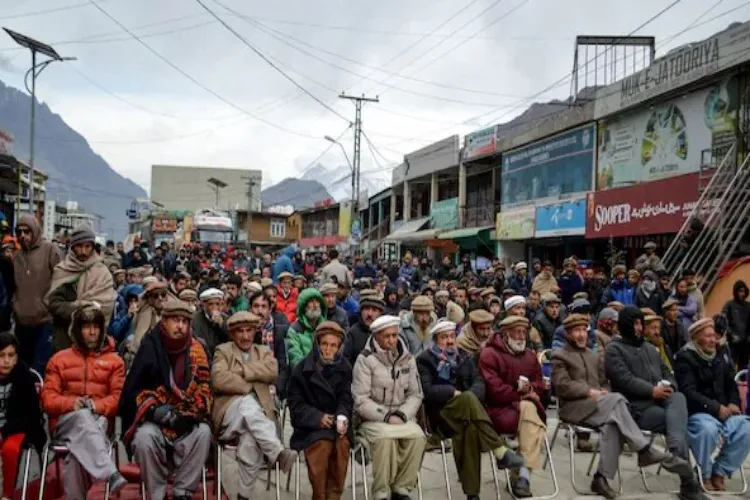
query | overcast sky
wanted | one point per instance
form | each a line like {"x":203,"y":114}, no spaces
{"x":439,"y":66}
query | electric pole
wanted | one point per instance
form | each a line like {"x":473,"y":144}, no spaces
{"x":357,"y":146}
{"x":250,"y":186}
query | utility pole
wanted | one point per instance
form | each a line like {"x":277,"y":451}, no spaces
{"x":250,"y":186}
{"x":358,"y":100}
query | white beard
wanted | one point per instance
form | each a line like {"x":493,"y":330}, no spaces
{"x":517,"y":346}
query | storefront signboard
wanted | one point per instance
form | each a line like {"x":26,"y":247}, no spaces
{"x":515,"y":224}
{"x":668,"y":139}
{"x":444,"y":214}
{"x":480,"y":143}
{"x":649,"y":208}
{"x":561,"y":219}
{"x":557,"y":166}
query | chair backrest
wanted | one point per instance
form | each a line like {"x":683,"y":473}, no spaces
{"x":39,"y":384}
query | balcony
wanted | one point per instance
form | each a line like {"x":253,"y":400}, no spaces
{"x":478,"y":216}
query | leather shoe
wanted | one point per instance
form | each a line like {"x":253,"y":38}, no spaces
{"x":399,"y":496}
{"x":717,"y":482}
{"x":677,"y":465}
{"x":600,"y":486}
{"x":521,"y":488}
{"x":651,"y":456}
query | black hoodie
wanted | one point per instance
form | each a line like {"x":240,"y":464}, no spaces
{"x":632,"y":366}
{"x":737,"y":312}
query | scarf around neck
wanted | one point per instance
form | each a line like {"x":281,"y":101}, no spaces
{"x":659,"y":344}
{"x":447,"y":361}
{"x":691,"y":346}
{"x":177,"y":353}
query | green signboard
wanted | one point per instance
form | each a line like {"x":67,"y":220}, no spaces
{"x":444,"y":214}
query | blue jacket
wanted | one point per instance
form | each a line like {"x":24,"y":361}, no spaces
{"x":121,"y":324}
{"x":283,"y":263}
{"x":570,"y":284}
{"x":620,"y":291}
{"x":520,"y":285}
{"x":687,"y":309}
{"x":350,"y":305}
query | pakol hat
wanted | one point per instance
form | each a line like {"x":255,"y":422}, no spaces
{"x":574,"y":320}
{"x":329,"y":288}
{"x":481,"y":316}
{"x":211,"y":293}
{"x":242,"y":318}
{"x":422,"y":303}
{"x":176,"y":308}
{"x":512,"y":321}
{"x":285,"y":274}
{"x":699,"y":326}
{"x":329,"y":328}
{"x":487,"y":292}
{"x":550,"y":298}
{"x":188,"y":294}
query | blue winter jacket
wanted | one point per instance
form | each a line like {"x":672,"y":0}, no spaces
{"x":121,"y":324}
{"x":283,"y":263}
{"x":570,"y":284}
{"x":620,"y":291}
{"x":520,"y":285}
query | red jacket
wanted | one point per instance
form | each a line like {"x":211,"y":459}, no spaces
{"x":72,"y":373}
{"x":500,"y":369}
{"x":287,"y":305}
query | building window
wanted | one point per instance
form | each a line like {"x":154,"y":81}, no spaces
{"x":278,"y":229}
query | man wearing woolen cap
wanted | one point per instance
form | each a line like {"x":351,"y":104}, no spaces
{"x":371,"y":307}
{"x":334,"y":312}
{"x":454,"y":393}
{"x":476,"y":332}
{"x":416,"y":324}
{"x":387,"y":396}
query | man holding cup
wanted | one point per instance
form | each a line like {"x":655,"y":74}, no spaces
{"x":209,"y":323}
{"x":636,"y":370}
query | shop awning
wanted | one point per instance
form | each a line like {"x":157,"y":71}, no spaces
{"x":469,"y":232}
{"x":412,"y":231}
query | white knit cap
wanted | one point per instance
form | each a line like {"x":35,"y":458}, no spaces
{"x":514,"y":301}
{"x":255,"y":287}
{"x":442,"y":326}
{"x":211,"y":293}
{"x":521,"y":265}
{"x":383,"y":322}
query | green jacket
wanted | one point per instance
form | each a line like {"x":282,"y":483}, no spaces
{"x":240,"y":304}
{"x":301,"y":334}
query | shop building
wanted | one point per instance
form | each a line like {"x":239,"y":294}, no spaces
{"x":323,"y":227}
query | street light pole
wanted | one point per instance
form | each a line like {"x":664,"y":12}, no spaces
{"x":36,"y":69}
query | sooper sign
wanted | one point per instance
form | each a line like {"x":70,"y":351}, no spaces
{"x":668,"y":139}
{"x":560,"y":165}
{"x":649,"y":208}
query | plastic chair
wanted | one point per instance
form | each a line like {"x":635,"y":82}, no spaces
{"x":221,"y":446}
{"x":571,"y":430}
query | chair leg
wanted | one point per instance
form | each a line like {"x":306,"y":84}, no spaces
{"x":445,"y":469}
{"x":419,"y":486}
{"x":289,"y":478}
{"x":354,"y":473}
{"x":572,"y":458}
{"x":493,"y":466}
{"x":26,"y":470}
{"x":548,"y":447}
{"x":43,"y":476}
{"x":204,"y":482}
{"x":143,"y":490}
{"x":364,"y":471}
{"x":593,"y":457}
{"x":296,"y":490}
{"x":218,"y":471}
{"x":554,"y":438}
{"x":278,"y":480}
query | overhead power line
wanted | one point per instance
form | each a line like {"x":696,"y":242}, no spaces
{"x":195,"y":81}
{"x":269,"y":62}
{"x":47,"y":11}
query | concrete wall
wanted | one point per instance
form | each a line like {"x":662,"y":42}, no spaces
{"x":186,"y":188}
{"x":437,"y":156}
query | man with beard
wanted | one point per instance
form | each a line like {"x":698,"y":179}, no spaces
{"x":82,"y":278}
{"x":570,"y":281}
{"x":687,"y":309}
{"x":649,"y":261}
{"x":548,"y":321}
{"x":208,"y":322}
{"x":334,"y":313}
{"x":461,"y":297}
{"x":637,"y":372}
{"x":545,"y":282}
{"x":415,"y":325}
{"x":32,"y":269}
{"x":475,"y":334}
{"x":521,"y":282}
{"x":441,"y":303}
{"x":179,"y":282}
{"x":371,"y":308}
{"x":236,"y":299}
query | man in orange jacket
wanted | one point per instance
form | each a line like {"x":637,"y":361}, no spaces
{"x":286,"y":297}
{"x":82,"y":387}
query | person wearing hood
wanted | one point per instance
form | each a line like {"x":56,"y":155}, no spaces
{"x":636,"y":370}
{"x":707,"y":380}
{"x":81,"y":392}
{"x":146,"y":315}
{"x":391,"y":300}
{"x":209,"y":322}
{"x":334,"y":312}
{"x":453,"y":396}
{"x":545,"y":324}
{"x":521,"y":282}
{"x":620,"y":289}
{"x":476,"y":332}
{"x":687,"y":308}
{"x":415,"y":325}
{"x":121,"y":325}
{"x":21,"y":418}
{"x":242,"y":377}
{"x":649,"y":294}
{"x":335,"y":269}
{"x":372,"y":307}
{"x":737,"y":311}
{"x":387,"y":397}
{"x":321,"y":408}
{"x":515,"y":395}
{"x":283,"y":263}
{"x":581,"y":389}
{"x":311,"y":311}
{"x":545,"y":281}
{"x":570,"y":282}
{"x":33,"y":267}
{"x":80,"y":279}
{"x":166,"y":403}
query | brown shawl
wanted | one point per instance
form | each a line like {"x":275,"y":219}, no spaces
{"x":469,"y":341}
{"x":92,"y":279}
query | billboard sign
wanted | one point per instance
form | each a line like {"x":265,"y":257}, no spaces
{"x":649,"y":208}
{"x":444,"y":214}
{"x":480,"y":143}
{"x":515,"y":224}
{"x":561,"y":219}
{"x":560,"y":165}
{"x":679,"y":67}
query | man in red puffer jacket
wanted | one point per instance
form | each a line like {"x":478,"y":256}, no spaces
{"x":82,"y":387}
{"x":286,"y":297}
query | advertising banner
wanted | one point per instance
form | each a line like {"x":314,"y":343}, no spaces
{"x":515,"y":224}
{"x":480,"y":143}
{"x":648,"y":208}
{"x":345,"y":219}
{"x":668,"y":139}
{"x":444,"y":214}
{"x":679,"y":67}
{"x":559,"y":165}
{"x":561,"y":219}
{"x":163,"y":223}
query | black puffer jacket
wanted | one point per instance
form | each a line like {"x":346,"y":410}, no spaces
{"x":356,"y":338}
{"x":546,"y":327}
{"x":438,"y":392}
{"x":23,"y":410}
{"x":737,"y":312}
{"x":707,"y":385}
{"x":633,"y":367}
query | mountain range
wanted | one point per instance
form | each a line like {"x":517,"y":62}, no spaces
{"x":75,"y":171}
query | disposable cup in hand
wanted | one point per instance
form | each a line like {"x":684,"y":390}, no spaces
{"x":665,"y":383}
{"x":522,"y":381}
{"x":341,"y":422}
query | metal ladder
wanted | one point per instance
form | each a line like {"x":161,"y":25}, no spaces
{"x":722,"y":209}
